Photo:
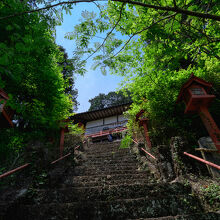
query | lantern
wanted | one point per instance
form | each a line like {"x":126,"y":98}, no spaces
{"x":196,"y":93}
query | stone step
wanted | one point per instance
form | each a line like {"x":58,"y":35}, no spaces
{"x":111,"y":156}
{"x":91,"y":172}
{"x":84,"y":170}
{"x":3,"y":208}
{"x":108,"y":186}
{"x":107,"y":178}
{"x":105,"y":144}
{"x":109,"y":193}
{"x":110,"y":153}
{"x":108,"y":160}
{"x":111,"y":167}
{"x":107,"y":149}
{"x":110,"y":210}
{"x":104,"y":148}
{"x":108,"y":182}
{"x":196,"y":216}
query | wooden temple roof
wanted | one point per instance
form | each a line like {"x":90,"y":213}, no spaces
{"x":101,"y":113}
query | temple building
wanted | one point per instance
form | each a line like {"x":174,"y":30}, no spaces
{"x":99,"y":124}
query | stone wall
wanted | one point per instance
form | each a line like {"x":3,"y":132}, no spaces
{"x":170,"y":161}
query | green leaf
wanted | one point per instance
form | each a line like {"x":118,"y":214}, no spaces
{"x":4,"y":60}
{"x":9,"y":28}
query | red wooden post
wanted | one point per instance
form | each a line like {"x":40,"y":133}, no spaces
{"x":143,"y":122}
{"x":7,"y":112}
{"x":7,"y":118}
{"x":62,"y":131}
{"x":211,"y":126}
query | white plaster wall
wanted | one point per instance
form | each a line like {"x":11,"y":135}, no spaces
{"x":94,"y":123}
{"x":121,"y":118}
{"x":110,"y":120}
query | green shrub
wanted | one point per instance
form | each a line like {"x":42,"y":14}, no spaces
{"x":11,"y":142}
{"x":212,"y":192}
{"x":126,"y":142}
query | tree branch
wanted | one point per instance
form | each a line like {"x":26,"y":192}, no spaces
{"x":208,"y":52}
{"x":156,"y":7}
{"x":107,"y":34}
{"x":47,"y":7}
{"x":98,"y":6}
{"x":15,"y":161}
{"x":209,"y":38}
{"x":173,"y":9}
{"x":138,"y":32}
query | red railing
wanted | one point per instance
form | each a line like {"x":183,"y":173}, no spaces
{"x":27,"y":164}
{"x":134,"y":141}
{"x":190,"y":155}
{"x":202,"y":160}
{"x":14,"y":170}
{"x":145,"y":150}
{"x":148,"y":153}
{"x":61,"y":158}
{"x":77,"y":147}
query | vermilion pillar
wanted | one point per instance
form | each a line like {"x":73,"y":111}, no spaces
{"x":62,"y":131}
{"x":7,"y":118}
{"x":211,"y":126}
{"x":7,"y":112}
{"x":143,"y":122}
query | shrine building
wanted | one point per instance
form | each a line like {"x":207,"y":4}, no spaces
{"x":98,"y":124}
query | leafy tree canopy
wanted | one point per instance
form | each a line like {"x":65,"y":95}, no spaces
{"x":159,"y":51}
{"x":36,"y":73}
{"x":111,"y":99}
{"x":29,"y":68}
{"x":162,"y":43}
{"x":68,"y":75}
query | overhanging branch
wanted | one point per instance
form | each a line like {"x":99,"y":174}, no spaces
{"x":47,"y":7}
{"x":156,"y":7}
{"x":139,"y":32}
{"x":173,"y":9}
{"x":109,"y":33}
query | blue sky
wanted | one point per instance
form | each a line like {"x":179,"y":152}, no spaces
{"x":93,"y":82}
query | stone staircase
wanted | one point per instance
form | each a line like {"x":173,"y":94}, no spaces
{"x":108,"y":184}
